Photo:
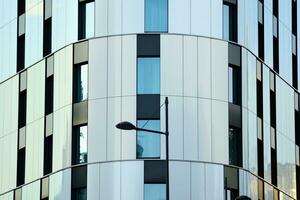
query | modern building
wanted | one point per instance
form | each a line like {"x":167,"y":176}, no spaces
{"x":70,"y":70}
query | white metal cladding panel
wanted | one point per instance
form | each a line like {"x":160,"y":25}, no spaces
{"x":31,"y":191}
{"x":35,"y":92}
{"x":298,"y":55}
{"x":204,"y":67}
{"x":285,"y":53}
{"x":8,"y":155}
{"x":214,"y":181}
{"x":284,"y":197}
{"x":286,"y":167}
{"x":248,"y":184}
{"x":220,"y":132}
{"x":205,"y":127}
{"x":245,"y":138}
{"x":267,"y":152}
{"x":93,"y":181}
{"x":190,"y":125}
{"x":171,"y":65}
{"x":285,"y":115}
{"x":8,"y":11}
{"x":268,"y":36}
{"x":63,"y":68}
{"x":64,"y":23}
{"x":219,"y":64}
{"x":197,"y":181}
{"x":97,"y":68}
{"x":62,"y":130}
{"x":60,"y":185}
{"x":266,"y":94}
{"x":114,"y":66}
{"x":34,"y":35}
{"x":190,"y":68}
{"x":201,"y":17}
{"x":110,"y":183}
{"x":252,"y":142}
{"x":10,"y":105}
{"x":128,"y":138}
{"x":2,"y":116}
{"x":132,"y":180}
{"x":114,"y":17}
{"x":34,"y":150}
{"x":7,"y":196}
{"x":179,"y":16}
{"x":241,"y":12}
{"x":97,"y":123}
{"x":180,"y":180}
{"x":31,"y":3}
{"x":251,"y":85}
{"x":129,"y":58}
{"x":113,"y":134}
{"x":101,"y":15}
{"x":244,"y":78}
{"x":216,"y":18}
{"x":133,"y":16}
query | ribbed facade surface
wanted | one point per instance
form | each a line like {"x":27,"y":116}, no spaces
{"x":70,"y":70}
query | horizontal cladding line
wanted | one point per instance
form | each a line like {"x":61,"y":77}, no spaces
{"x":128,"y":34}
{"x":142,"y":160}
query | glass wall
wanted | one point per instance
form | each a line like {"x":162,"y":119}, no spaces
{"x":154,"y":191}
{"x":80,"y":144}
{"x":148,"y":76}
{"x":80,"y":92}
{"x":156,"y":15}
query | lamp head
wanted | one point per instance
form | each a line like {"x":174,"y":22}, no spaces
{"x":125,"y":126}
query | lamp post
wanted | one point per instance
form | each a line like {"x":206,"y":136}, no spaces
{"x":129,"y":126}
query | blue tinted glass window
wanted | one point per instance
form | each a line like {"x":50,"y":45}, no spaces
{"x":225,"y":22}
{"x":148,"y":144}
{"x":155,"y":192}
{"x":156,"y":15}
{"x":148,"y":75}
{"x":80,"y":83}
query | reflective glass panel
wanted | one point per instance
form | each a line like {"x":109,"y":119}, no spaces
{"x":148,"y":75}
{"x":155,"y":192}
{"x":90,"y":25}
{"x":225,"y":22}
{"x":156,"y":15}
{"x":80,"y":144}
{"x":148,"y":144}
{"x":79,"y":194}
{"x":80,"y":83}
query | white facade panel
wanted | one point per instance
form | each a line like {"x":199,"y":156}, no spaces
{"x":132,"y":180}
{"x":171,"y":65}
{"x":129,"y":57}
{"x":101,"y":17}
{"x":214,"y":184}
{"x":60,"y":185}
{"x":216,"y":19}
{"x":251,"y":84}
{"x":268,"y":36}
{"x":34,"y":150}
{"x":97,"y":130}
{"x":205,"y":130}
{"x":219,"y":67}
{"x":197,"y":181}
{"x":133,"y":16}
{"x":31,"y":191}
{"x":113,"y":134}
{"x":97,"y":68}
{"x":93,"y":181}
{"x":252,"y":142}
{"x":267,"y":152}
{"x":7,"y":196}
{"x":285,"y":53}
{"x":128,"y":139}
{"x":180,"y":180}
{"x":201,"y":17}
{"x":266,"y":94}
{"x":110,"y":183}
{"x":219,"y":132}
{"x":35,"y":92}
{"x":114,"y":64}
{"x":190,"y":125}
{"x":204,"y":67}
{"x":114,"y":17}
{"x":179,"y":16}
{"x":190,"y":68}
{"x":285,"y":13}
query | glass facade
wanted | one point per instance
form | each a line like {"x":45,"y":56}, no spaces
{"x":155,"y":192}
{"x":148,"y":74}
{"x":148,"y":144}
{"x":80,"y":145}
{"x":80,"y":83}
{"x":156,"y":15}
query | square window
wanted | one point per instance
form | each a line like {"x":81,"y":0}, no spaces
{"x":148,"y":144}
{"x":156,"y":15}
{"x":80,"y":83}
{"x":79,"y":144}
{"x":148,"y":76}
{"x":155,"y":191}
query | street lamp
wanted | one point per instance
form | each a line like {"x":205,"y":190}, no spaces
{"x":243,"y":198}
{"x":129,"y":126}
